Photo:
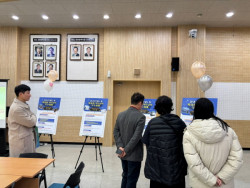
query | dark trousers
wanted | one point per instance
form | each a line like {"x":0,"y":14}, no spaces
{"x":130,"y":175}
{"x":154,"y":184}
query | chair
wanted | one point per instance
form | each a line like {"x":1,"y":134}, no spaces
{"x":41,"y":175}
{"x":73,"y":181}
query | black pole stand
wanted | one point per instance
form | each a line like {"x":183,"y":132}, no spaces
{"x":52,"y":147}
{"x":81,"y":151}
{"x":100,"y":153}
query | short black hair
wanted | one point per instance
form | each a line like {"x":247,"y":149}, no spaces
{"x":136,"y":98}
{"x":51,"y":65}
{"x":75,"y":47}
{"x":164,"y":105}
{"x":21,"y":88}
{"x":89,"y":48}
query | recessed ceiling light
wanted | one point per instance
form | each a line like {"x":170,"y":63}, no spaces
{"x":229,"y":14}
{"x":14,"y":17}
{"x":138,"y":16}
{"x":76,"y":17}
{"x":45,"y":17}
{"x":169,"y":15}
{"x":106,"y":17}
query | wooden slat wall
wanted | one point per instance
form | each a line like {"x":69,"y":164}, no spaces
{"x":126,"y":49}
{"x":9,"y":59}
{"x":227,"y":60}
{"x":174,"y":50}
{"x":189,"y":51}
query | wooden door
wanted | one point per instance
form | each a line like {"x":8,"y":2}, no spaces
{"x":123,"y":90}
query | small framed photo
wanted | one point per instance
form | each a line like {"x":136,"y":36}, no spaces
{"x":75,"y":52}
{"x":88,"y":52}
{"x":50,"y":65}
{"x":37,"y":69}
{"x":50,"y":52}
{"x":38,"y":52}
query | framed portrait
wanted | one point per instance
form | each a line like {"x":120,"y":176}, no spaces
{"x":86,"y":66}
{"x":50,"y":52}
{"x":49,"y":65}
{"x":88,"y":52}
{"x":38,"y":52}
{"x":37,"y":69}
{"x":75,"y":52}
{"x":44,"y":48}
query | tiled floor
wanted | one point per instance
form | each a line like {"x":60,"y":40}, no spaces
{"x":93,"y":177}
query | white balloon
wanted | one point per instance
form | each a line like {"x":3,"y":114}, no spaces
{"x":205,"y":82}
{"x":48,"y":85}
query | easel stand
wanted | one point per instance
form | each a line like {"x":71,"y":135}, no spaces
{"x":52,"y":147}
{"x":100,"y":153}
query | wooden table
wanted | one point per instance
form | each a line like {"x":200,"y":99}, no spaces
{"x":7,"y":180}
{"x":24,"y":167}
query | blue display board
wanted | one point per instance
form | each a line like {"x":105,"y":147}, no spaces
{"x":94,"y":117}
{"x":187,"y":108}
{"x":47,"y":115}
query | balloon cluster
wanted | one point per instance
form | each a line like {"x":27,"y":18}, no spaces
{"x":198,"y":70}
{"x":48,"y":84}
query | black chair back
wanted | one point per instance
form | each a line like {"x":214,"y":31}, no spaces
{"x":33,"y":155}
{"x":74,"y":178}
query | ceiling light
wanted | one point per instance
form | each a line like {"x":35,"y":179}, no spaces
{"x":169,"y":15}
{"x":229,"y":14}
{"x":45,"y":17}
{"x":14,"y":17}
{"x":106,"y":17}
{"x":138,"y":16}
{"x":76,"y":17}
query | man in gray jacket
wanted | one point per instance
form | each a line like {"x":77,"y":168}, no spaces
{"x":128,"y":133}
{"x":21,"y":123}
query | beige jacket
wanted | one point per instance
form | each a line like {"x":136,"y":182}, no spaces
{"x":210,"y":151}
{"x":21,"y":133}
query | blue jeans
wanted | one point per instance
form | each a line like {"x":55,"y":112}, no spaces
{"x":131,"y":172}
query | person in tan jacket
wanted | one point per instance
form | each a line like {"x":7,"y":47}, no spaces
{"x":211,"y":148}
{"x":21,"y":123}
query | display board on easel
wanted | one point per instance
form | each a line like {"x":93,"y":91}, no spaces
{"x":94,"y":117}
{"x":47,"y":115}
{"x":93,"y":122}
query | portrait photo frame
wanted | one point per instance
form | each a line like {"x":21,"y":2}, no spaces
{"x":50,"y":65}
{"x":50,"y":52}
{"x":85,"y":69}
{"x":75,"y":52}
{"x":89,"y":52}
{"x":49,"y":45}
{"x":37,"y":69}
{"x":38,"y":51}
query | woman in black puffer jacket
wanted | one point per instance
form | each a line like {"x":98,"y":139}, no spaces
{"x":165,"y":165}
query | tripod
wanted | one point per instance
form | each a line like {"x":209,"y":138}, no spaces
{"x":100,"y":153}
{"x":52,"y":147}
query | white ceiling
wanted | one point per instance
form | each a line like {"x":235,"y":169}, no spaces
{"x":122,"y":13}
